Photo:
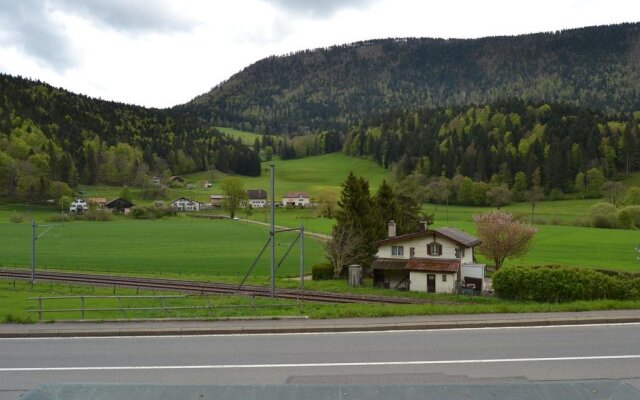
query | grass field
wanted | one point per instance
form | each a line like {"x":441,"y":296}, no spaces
{"x":313,"y":175}
{"x":178,"y":245}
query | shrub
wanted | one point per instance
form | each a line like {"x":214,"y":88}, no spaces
{"x":556,"y":194}
{"x":603,"y":215}
{"x":138,"y":212}
{"x":629,"y":217}
{"x":96,"y":215}
{"x":16,"y":218}
{"x":558,"y":283}
{"x":322,"y":272}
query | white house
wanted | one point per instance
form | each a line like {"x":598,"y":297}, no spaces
{"x":78,"y":206}
{"x":184,"y":204}
{"x":256,"y":198}
{"x":432,"y":260}
{"x":295,"y":199}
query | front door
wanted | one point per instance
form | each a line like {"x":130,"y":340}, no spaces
{"x":431,"y":283}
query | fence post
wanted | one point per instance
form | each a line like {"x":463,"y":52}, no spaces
{"x":39,"y":308}
{"x":82,"y":307}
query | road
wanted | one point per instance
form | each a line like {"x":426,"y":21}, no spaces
{"x":440,"y":356}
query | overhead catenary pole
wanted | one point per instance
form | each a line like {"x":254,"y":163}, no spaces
{"x":33,"y":251}
{"x":273,"y":231}
{"x":302,"y":256}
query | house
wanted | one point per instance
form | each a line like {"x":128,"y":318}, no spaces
{"x":100,"y":202}
{"x":295,"y":199}
{"x":217,"y":200}
{"x":184,"y":204}
{"x":119,"y":205}
{"x":78,"y":206}
{"x":257,"y":198}
{"x":431,"y":260}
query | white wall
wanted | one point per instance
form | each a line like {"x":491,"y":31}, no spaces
{"x":420,"y":244}
{"x":419,"y":281}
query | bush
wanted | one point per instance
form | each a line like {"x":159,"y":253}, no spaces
{"x":629,"y":217}
{"x":603,"y":215}
{"x":322,"y":272}
{"x":16,"y":218}
{"x":96,"y":215}
{"x":558,"y":284}
{"x":153,"y":212}
{"x":556,"y":194}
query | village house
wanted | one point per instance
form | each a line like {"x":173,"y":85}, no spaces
{"x":184,"y":204}
{"x":437,"y":260}
{"x":257,"y":198}
{"x":119,"y":205}
{"x":78,"y":206}
{"x":295,"y":199}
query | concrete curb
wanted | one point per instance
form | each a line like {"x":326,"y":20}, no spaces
{"x":330,"y":327}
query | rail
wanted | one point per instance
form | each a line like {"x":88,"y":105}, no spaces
{"x":122,"y":308}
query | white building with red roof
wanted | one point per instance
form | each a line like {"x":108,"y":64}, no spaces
{"x":437,"y":260}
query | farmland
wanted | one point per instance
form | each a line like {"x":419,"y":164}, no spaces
{"x":178,"y":245}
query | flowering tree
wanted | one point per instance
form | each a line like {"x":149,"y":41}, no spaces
{"x":502,"y":237}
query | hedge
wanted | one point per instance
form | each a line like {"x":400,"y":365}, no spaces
{"x":322,"y":272}
{"x":559,"y":283}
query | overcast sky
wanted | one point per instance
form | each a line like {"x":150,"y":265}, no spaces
{"x":160,"y":53}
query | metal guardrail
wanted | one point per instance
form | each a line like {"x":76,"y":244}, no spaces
{"x":83,"y":309}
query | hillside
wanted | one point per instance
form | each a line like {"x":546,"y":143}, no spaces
{"x":50,"y":138}
{"x":329,"y":88}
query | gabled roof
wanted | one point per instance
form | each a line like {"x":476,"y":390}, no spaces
{"x":257,"y":194}
{"x":184,"y":199}
{"x":119,"y":202}
{"x":416,"y":264}
{"x":453,"y":234}
{"x":296,"y":195}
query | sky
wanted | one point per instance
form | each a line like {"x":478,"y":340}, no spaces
{"x":160,"y":53}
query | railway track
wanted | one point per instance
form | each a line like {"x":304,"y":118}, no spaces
{"x":207,"y":287}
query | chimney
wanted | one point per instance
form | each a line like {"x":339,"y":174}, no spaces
{"x":424,"y":226}
{"x":392,"y":229}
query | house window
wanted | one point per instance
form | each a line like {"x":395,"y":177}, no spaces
{"x":459,"y":252}
{"x":397,"y":250}
{"x":444,"y":278}
{"x":434,"y":249}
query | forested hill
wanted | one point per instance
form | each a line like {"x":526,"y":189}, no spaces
{"x":550,"y":145}
{"x":51,"y":135}
{"x":595,"y":67}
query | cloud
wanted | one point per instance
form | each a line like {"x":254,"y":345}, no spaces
{"x":139,"y":16}
{"x":35,"y":28}
{"x":318,"y":8}
{"x":27,"y":25}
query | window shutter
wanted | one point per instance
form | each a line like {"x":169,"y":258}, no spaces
{"x":429,"y":249}
{"x":439,"y":247}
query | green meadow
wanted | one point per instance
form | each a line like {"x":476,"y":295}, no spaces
{"x":247,"y":138}
{"x":177,"y":245}
{"x":313,"y":175}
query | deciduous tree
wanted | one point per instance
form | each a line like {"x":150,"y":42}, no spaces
{"x":502,"y":237}
{"x":234,"y":192}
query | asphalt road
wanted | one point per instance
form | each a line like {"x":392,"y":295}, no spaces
{"x":442,"y":356}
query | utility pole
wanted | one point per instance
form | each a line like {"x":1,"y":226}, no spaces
{"x":33,"y":251}
{"x":302,"y":256}
{"x":272,"y":233}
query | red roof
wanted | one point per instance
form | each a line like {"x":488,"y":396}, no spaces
{"x":421,"y":264}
